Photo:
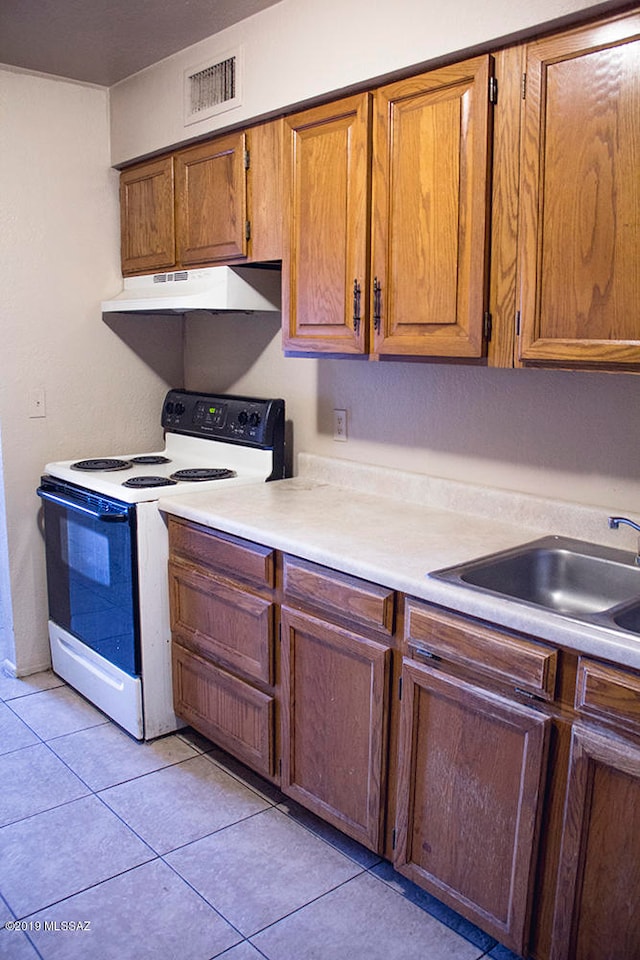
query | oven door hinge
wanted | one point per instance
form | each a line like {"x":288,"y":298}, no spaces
{"x":493,"y":90}
{"x":487,"y":326}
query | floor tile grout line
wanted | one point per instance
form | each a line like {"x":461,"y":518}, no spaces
{"x":90,"y":886}
{"x":271,"y":804}
{"x":435,"y":917}
{"x":202,"y":897}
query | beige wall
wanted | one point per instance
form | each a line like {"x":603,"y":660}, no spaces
{"x":570,"y":436}
{"x":567,"y":435}
{"x":59,"y":251}
{"x":301,"y":49}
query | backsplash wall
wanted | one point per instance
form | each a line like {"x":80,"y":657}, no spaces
{"x":569,"y":436}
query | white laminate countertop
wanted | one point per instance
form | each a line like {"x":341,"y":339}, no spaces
{"x":394,"y":528}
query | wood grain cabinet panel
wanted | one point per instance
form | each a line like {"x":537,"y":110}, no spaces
{"x":326,"y":236}
{"x":222,"y":553}
{"x":470,"y":783}
{"x":147,"y":223}
{"x":334,"y":724}
{"x":389,"y":255}
{"x":597,"y":916}
{"x":608,"y":693}
{"x":580,"y":197}
{"x":230,"y":712}
{"x":222,"y":622}
{"x":521,"y":663}
{"x":341,"y":595}
{"x":211,"y":201}
{"x":431,"y":186}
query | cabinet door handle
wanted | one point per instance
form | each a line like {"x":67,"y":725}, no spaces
{"x":377,"y":304}
{"x":356,"y":306}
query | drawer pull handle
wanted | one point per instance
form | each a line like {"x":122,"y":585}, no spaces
{"x":528,"y":694}
{"x":422,"y":652}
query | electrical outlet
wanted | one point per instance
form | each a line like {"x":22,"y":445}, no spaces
{"x":37,"y":405}
{"x":340,"y":425}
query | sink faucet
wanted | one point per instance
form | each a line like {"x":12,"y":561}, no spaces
{"x":614,"y":523}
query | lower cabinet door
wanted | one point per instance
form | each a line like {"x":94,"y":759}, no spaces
{"x":334,"y":722}
{"x":597,"y":913}
{"x":470,"y":782}
{"x":232,"y":713}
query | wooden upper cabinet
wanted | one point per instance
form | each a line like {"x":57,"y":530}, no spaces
{"x":580,"y":197}
{"x":147,"y":228}
{"x":265,"y":189}
{"x":431,"y":182}
{"x":211,"y":201}
{"x":326,"y":236}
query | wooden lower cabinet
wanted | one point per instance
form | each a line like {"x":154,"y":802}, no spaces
{"x":232,"y":713}
{"x":335,"y":698}
{"x":597,"y":915}
{"x":470,"y":782}
{"x":524,"y":817}
{"x":223,"y":641}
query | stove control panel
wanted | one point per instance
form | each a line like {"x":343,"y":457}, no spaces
{"x":246,"y":420}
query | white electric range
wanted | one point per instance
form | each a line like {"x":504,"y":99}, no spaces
{"x":107,"y":548}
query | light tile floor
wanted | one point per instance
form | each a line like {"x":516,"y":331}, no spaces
{"x":171,"y":850}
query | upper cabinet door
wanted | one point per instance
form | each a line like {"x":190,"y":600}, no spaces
{"x":211,"y":201}
{"x":147,"y":228}
{"x":431,"y":180}
{"x":580,"y":197}
{"x":326,"y":236}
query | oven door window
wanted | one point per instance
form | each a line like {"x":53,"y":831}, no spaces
{"x":92,"y":583}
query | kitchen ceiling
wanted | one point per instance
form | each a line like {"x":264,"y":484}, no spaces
{"x":103,"y":41}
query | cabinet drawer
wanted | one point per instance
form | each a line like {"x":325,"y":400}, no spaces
{"x":233,"y":714}
{"x":608,"y":693}
{"x":338,"y":593}
{"x":222,"y":552}
{"x":222,"y":622}
{"x":519,"y":662}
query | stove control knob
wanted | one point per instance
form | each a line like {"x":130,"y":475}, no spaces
{"x":179,"y":408}
{"x":243,"y":416}
{"x":169,"y":406}
{"x":254,"y":419}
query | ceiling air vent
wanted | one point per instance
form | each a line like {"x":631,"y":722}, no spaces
{"x":212,"y":88}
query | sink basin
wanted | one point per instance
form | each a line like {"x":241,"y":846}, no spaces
{"x":569,"y":577}
{"x":629,"y":619}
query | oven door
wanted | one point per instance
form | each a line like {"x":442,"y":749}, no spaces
{"x":91,"y":571}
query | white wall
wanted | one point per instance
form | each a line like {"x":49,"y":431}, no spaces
{"x":59,"y":249}
{"x":302,"y":49}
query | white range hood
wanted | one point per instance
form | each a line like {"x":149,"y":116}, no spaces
{"x":239,"y":289}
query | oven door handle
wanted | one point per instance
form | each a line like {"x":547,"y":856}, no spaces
{"x":80,"y":507}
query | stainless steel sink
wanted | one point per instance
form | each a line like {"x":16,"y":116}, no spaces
{"x":629,"y":619}
{"x":569,"y":577}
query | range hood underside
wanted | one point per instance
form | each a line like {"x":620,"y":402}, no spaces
{"x":229,"y":289}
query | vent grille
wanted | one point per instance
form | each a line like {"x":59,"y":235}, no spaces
{"x":212,"y":88}
{"x":169,"y":277}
